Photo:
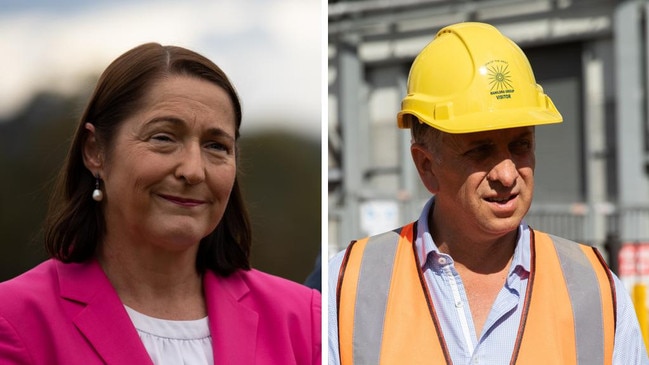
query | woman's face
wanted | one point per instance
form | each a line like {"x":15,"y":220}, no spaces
{"x":169,"y":172}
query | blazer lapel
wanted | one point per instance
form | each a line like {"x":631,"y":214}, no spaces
{"x":99,"y":315}
{"x":233,"y":325}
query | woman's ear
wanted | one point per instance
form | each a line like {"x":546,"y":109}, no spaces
{"x":92,"y":151}
{"x":425,"y":163}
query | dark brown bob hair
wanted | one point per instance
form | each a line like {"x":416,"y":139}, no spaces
{"x":75,"y":224}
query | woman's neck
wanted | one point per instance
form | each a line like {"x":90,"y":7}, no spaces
{"x":159,"y":284}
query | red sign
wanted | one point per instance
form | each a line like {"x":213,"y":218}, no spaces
{"x":633,"y":259}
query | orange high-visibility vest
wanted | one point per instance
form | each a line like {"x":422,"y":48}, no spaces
{"x":386,"y":315}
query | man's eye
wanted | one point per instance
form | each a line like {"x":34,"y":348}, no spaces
{"x":521,"y":146}
{"x":480,"y":151}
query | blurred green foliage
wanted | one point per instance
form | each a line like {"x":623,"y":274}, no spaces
{"x":279,"y":171}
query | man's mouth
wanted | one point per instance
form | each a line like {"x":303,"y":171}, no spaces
{"x":501,"y":200}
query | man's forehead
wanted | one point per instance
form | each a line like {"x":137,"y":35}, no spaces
{"x":509,"y":133}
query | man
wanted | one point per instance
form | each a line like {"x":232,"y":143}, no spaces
{"x":470,"y":282}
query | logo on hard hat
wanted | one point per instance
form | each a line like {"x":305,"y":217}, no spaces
{"x":500,"y":80}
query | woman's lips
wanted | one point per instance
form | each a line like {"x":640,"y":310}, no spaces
{"x":186,"y":202}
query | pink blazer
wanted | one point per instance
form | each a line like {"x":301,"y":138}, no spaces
{"x":70,"y":314}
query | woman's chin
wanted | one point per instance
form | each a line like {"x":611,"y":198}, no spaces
{"x":180,"y":239}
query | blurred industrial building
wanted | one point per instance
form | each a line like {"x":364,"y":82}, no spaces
{"x":590,"y":56}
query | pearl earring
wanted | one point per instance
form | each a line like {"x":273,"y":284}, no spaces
{"x":97,"y":194}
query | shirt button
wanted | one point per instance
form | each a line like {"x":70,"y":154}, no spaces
{"x":458,"y":304}
{"x":441,"y":260}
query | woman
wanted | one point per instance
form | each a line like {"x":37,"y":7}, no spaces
{"x":149,"y":236}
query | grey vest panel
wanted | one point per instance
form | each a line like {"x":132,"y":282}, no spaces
{"x":587,"y":308}
{"x":372,"y":291}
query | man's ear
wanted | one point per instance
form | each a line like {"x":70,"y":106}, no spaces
{"x":93,"y":156}
{"x":425,"y":163}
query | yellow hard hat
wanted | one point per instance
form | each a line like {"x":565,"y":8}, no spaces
{"x":471,"y":78}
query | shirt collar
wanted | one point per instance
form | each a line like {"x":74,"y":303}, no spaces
{"x":425,"y":245}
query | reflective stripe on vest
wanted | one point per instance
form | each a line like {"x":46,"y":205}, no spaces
{"x":395,"y":321}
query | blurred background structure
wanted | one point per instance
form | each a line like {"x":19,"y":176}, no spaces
{"x":53,"y":53}
{"x":590,"y":56}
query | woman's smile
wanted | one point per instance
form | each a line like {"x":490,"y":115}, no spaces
{"x":185,"y":202}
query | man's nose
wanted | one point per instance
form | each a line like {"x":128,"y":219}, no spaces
{"x":504,"y":172}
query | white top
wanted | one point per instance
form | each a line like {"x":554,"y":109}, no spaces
{"x":174,"y":342}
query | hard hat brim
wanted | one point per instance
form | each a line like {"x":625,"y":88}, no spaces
{"x":481,"y":122}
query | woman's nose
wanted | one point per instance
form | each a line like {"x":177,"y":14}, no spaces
{"x":191,"y":166}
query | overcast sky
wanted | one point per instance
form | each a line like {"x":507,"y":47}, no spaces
{"x":271,"y":49}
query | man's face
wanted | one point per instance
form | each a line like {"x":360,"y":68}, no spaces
{"x":483,"y":181}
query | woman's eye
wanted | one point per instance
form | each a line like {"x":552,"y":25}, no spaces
{"x":218,"y":146}
{"x":162,"y":138}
